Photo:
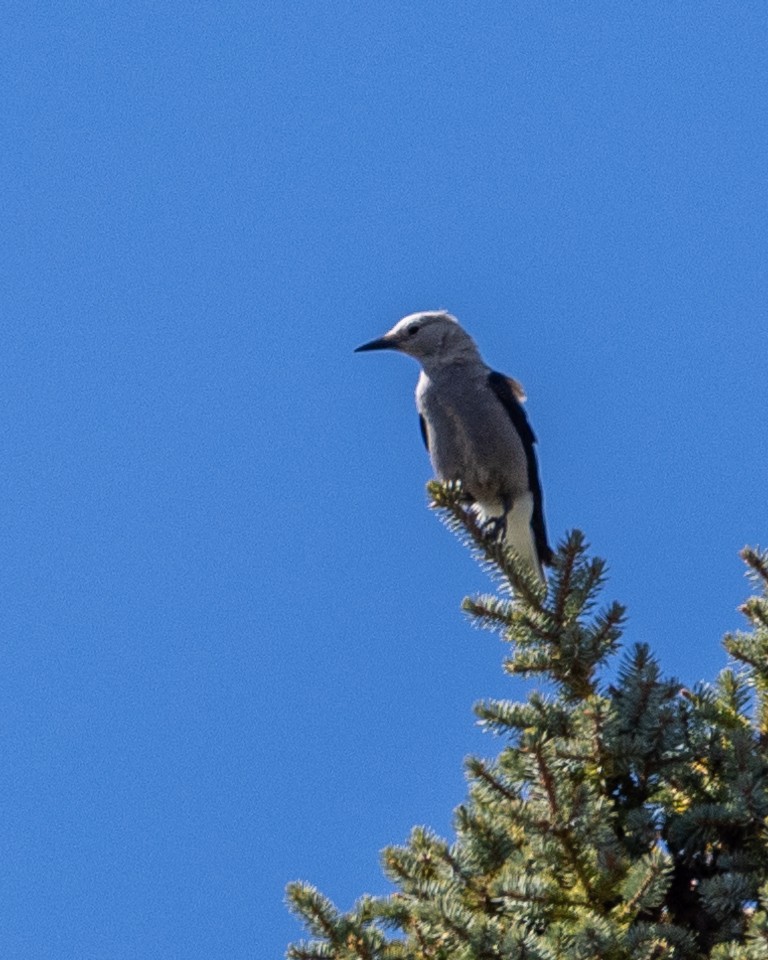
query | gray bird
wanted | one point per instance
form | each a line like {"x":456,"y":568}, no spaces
{"x":475,"y":429}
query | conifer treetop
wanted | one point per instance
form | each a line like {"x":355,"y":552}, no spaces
{"x":622,"y":821}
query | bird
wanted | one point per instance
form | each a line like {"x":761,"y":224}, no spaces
{"x":475,"y":430}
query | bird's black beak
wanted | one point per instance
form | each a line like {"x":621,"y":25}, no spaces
{"x":383,"y":343}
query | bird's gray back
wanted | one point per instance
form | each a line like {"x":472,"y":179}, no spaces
{"x":471,"y":436}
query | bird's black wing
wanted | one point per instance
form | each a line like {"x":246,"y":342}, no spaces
{"x":424,"y":435}
{"x":509,"y":393}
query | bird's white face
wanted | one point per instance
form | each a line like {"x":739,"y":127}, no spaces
{"x":429,"y":335}
{"x":422,"y":334}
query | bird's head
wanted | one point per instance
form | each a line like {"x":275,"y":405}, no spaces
{"x":433,"y":336}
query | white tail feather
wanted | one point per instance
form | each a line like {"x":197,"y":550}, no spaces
{"x":518,"y":533}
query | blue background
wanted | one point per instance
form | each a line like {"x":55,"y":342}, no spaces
{"x":232,"y":648}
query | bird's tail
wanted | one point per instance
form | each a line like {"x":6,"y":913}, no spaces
{"x":518,"y":533}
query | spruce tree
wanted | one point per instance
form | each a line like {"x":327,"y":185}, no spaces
{"x":621,"y":821}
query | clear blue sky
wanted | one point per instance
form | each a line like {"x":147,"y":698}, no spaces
{"x":232,"y":648}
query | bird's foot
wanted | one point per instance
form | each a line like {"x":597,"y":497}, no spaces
{"x":496,"y":527}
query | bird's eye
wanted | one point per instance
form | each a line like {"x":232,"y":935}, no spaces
{"x":414,"y":328}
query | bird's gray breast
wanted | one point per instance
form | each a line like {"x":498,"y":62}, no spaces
{"x":471,"y":435}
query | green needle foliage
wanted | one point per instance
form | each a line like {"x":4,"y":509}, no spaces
{"x":619,"y":822}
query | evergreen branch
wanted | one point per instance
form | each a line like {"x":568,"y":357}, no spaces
{"x":645,"y":884}
{"x":547,"y":780}
{"x":565,"y":562}
{"x":476,"y":768}
{"x":526,"y":627}
{"x":454,"y":865}
{"x":607,"y":629}
{"x":756,"y":609}
{"x":312,"y":950}
{"x":751,"y":650}
{"x":661,"y":941}
{"x":524,"y":663}
{"x":593,"y":579}
{"x":393,"y":911}
{"x":757,"y":561}
{"x":488,"y":612}
{"x":504,"y":717}
{"x":317,"y":911}
{"x":733,"y":695}
{"x":499,"y":716}
{"x":543,"y":899}
{"x":725,"y":895}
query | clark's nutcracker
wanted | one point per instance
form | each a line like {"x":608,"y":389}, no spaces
{"x":475,"y":429}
